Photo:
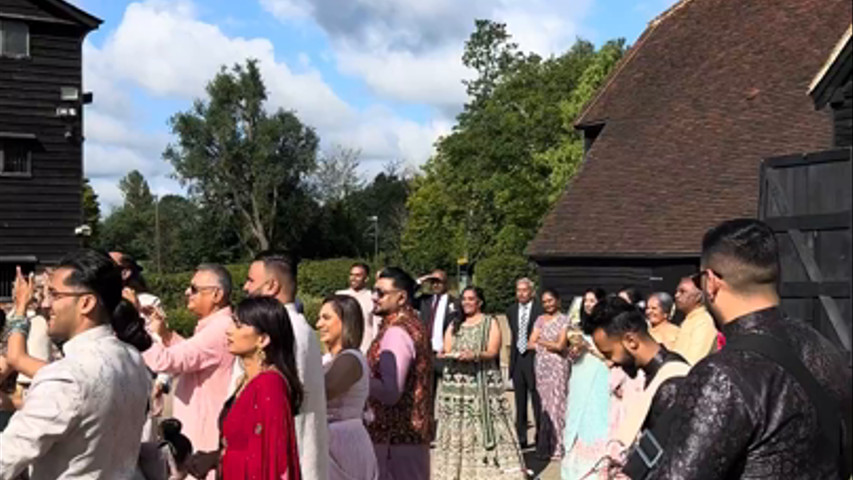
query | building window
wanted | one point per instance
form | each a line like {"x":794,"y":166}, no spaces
{"x":14,"y":39}
{"x":15,"y":159}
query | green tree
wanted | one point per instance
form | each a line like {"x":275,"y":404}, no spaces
{"x":130,"y":227}
{"x":91,"y":211}
{"x":336,"y":176}
{"x":236,"y":157}
{"x":492,"y":179}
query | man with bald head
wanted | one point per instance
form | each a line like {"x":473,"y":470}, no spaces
{"x":274,"y":275}
{"x":202,"y":362}
{"x":697,"y":337}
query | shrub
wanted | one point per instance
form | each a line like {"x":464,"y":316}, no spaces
{"x":496,"y":275}
{"x":320,"y":278}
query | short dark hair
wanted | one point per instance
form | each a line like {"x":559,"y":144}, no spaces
{"x":96,"y":272}
{"x":553,"y":292}
{"x":401,"y":280}
{"x":362,"y":266}
{"x":616,"y":317}
{"x":284,"y":265}
{"x":744,"y":252}
{"x":223,"y":277}
{"x":352,"y":319}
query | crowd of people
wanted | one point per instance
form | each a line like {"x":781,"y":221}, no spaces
{"x":392,"y":384}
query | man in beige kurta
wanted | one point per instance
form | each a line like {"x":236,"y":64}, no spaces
{"x":698,"y":335}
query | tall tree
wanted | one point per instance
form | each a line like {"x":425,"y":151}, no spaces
{"x":235,"y":156}
{"x":337,"y":174}
{"x":130,"y":227}
{"x":492,"y":179}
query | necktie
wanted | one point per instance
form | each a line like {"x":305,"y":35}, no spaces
{"x":522,"y":329}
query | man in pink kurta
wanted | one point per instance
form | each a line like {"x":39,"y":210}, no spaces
{"x":201,"y":363}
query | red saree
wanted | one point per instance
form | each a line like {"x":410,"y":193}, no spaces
{"x":258,"y":437}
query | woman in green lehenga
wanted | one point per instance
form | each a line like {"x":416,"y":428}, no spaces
{"x":476,"y":439}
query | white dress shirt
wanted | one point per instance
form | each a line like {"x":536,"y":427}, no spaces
{"x":312,"y":432}
{"x":438,"y":323}
{"x":83,"y":415}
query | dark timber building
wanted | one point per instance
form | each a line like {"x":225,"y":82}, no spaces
{"x":676,"y":136}
{"x":41,"y":158}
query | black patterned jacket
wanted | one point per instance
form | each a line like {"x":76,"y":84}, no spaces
{"x":740,"y":415}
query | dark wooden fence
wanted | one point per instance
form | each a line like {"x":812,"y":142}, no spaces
{"x":806,"y":199}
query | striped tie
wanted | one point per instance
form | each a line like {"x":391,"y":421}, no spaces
{"x":522,"y":329}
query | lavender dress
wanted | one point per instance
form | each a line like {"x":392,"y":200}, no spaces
{"x":351,"y":455}
{"x":552,"y":382}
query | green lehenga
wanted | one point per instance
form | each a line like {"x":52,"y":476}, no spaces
{"x":476,"y":438}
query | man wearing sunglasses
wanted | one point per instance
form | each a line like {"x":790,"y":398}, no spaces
{"x":202,"y":361}
{"x":774,"y":402}
{"x":400,"y":362}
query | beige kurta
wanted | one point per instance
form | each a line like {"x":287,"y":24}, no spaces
{"x":698,"y":336}
{"x":665,"y":333}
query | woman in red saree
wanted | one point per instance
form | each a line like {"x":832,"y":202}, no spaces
{"x":258,"y":440}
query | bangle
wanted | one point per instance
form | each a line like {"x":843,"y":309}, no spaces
{"x":17,"y":323}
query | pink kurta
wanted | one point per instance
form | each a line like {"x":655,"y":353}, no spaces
{"x":204,"y":366}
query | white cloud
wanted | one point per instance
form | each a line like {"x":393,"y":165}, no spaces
{"x":163,"y":49}
{"x":412,"y":51}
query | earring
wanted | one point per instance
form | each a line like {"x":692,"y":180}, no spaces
{"x":261,"y":355}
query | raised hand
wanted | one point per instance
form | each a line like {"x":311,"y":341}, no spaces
{"x":24,"y":289}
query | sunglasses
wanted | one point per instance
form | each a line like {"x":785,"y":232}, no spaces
{"x":697,"y":277}
{"x":194,"y":289}
{"x":379,"y":293}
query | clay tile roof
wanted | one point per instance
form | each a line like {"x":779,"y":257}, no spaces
{"x":710,"y":89}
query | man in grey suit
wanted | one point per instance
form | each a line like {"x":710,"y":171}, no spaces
{"x":521,"y":316}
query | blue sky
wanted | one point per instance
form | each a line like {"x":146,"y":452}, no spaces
{"x":380,"y":76}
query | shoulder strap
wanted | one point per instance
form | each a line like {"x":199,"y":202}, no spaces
{"x":828,"y":415}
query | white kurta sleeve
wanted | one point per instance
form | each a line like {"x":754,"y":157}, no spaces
{"x":50,"y":411}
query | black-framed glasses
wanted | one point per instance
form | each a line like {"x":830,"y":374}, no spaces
{"x":697,"y":277}
{"x":53,"y":295}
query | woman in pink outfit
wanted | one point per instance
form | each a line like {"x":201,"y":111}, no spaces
{"x":351,"y":453}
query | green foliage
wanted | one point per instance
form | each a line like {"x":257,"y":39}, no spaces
{"x":510,"y":155}
{"x":311,"y":308}
{"x":320,"y":278}
{"x":236,"y":157}
{"x":91,"y":212}
{"x":497,"y":275}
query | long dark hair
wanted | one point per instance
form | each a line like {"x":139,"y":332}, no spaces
{"x":460,"y":316}
{"x":95,"y":271}
{"x":352,"y":319}
{"x":269,"y":317}
{"x":600,"y":294}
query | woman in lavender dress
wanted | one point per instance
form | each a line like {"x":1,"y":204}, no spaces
{"x":552,"y":374}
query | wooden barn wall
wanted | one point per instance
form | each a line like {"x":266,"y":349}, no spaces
{"x":816,"y":192}
{"x":38,"y":214}
{"x":571,"y":276}
{"x":842,"y":113}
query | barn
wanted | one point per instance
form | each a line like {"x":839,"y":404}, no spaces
{"x":41,"y":120}
{"x":675,"y":138}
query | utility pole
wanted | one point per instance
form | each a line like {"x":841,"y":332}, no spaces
{"x":157,"y":233}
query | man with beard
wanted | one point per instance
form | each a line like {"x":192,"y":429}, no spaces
{"x":400,"y":363}
{"x":621,"y":334}
{"x":83,"y":415}
{"x":774,"y":402}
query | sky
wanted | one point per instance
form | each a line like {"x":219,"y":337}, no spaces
{"x":383,"y":77}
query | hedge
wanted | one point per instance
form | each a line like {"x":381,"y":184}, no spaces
{"x":496,"y":275}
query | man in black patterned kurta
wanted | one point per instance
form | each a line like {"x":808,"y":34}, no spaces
{"x":740,"y":414}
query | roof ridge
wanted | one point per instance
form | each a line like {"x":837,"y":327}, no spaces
{"x":652,"y":25}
